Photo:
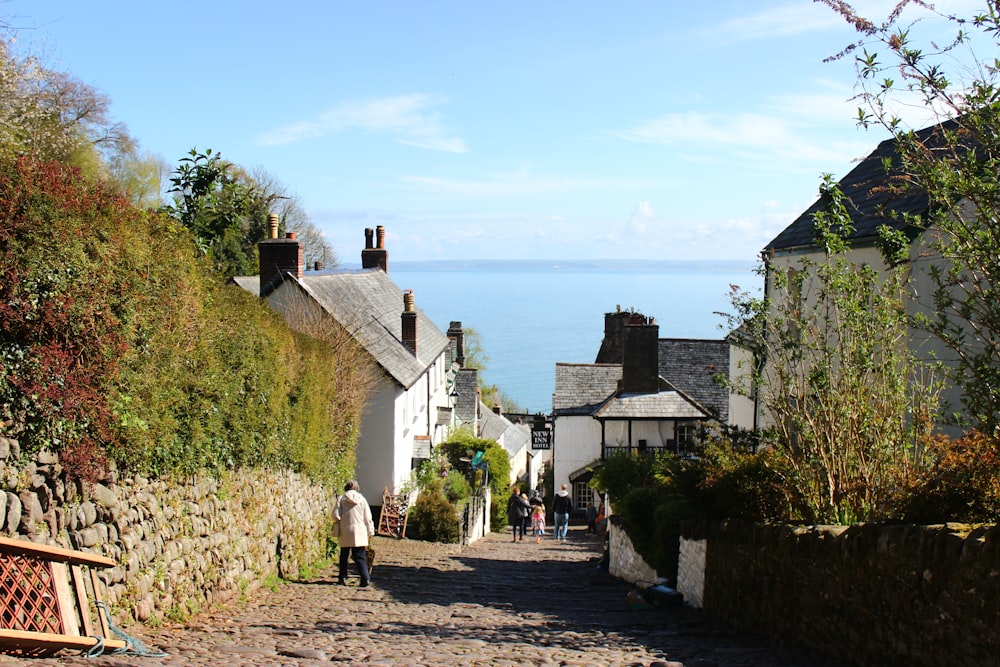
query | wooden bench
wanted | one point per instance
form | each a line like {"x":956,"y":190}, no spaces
{"x":50,"y":600}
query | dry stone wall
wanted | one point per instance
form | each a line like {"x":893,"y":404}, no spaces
{"x":869,"y":594}
{"x":181,"y":546}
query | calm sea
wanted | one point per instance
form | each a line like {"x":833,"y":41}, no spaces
{"x":530,"y":315}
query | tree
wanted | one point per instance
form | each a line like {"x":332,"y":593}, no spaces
{"x":293,"y":218}
{"x":956,"y":166}
{"x":225,"y":213}
{"x":849,"y":404}
{"x":141,"y":177}
{"x":227,"y":208}
{"x":52,"y":115}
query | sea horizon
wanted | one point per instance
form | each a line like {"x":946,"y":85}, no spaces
{"x":530,"y":315}
{"x":623,"y":265}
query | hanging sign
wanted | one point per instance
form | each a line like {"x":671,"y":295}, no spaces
{"x":541,"y":438}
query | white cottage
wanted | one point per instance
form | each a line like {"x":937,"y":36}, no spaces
{"x":643,"y":394}
{"x":409,"y":409}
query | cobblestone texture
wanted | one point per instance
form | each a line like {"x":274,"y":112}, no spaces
{"x":493,"y":603}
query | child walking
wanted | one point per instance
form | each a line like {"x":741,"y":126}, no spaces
{"x":538,"y":522}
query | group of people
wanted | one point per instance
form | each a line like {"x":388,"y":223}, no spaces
{"x":526,"y":514}
{"x":354,"y":527}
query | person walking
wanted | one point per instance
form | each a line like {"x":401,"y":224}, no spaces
{"x":354,"y":527}
{"x":561,"y":508}
{"x":518,"y":511}
{"x":538,"y":522}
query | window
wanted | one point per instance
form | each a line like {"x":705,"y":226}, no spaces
{"x":687,"y":433}
{"x":582,"y":495}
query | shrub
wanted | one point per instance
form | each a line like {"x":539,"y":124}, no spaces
{"x":739,"y":485}
{"x":963,"y":484}
{"x":434,"y":519}
{"x":462,"y":444}
{"x":457,"y":488}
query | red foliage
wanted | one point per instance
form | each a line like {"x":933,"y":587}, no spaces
{"x":59,"y":338}
{"x":962,"y":485}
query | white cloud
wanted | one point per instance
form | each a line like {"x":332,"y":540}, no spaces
{"x":791,"y":131}
{"x":796,"y":18}
{"x":640,"y":218}
{"x":406,"y":117}
{"x":789,"y":19}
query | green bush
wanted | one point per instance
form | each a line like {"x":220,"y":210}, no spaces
{"x":432,"y":518}
{"x":734,"y":484}
{"x":456,"y":488}
{"x":462,"y":444}
{"x":117,"y":342}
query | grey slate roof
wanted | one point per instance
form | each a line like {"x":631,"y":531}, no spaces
{"x":496,"y":427}
{"x":249,"y":283}
{"x":663,"y":405}
{"x":691,"y":366}
{"x":368,"y":304}
{"x":869,"y":197}
{"x":467,"y":402}
{"x":582,"y":388}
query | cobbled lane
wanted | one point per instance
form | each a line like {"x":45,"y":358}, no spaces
{"x":493,"y":603}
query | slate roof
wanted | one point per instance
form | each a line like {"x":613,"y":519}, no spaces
{"x":497,"y":427}
{"x":870,"y":197}
{"x":249,"y":283}
{"x":691,"y":365}
{"x":368,"y":304}
{"x":667,"y":404}
{"x":592,"y":389}
{"x":581,"y":388}
{"x":467,"y":402}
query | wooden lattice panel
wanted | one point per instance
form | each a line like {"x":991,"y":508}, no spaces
{"x":27,"y":599}
{"x":392,"y":518}
{"x":48,"y":601}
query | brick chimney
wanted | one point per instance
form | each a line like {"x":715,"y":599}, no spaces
{"x":457,"y":336}
{"x":640,"y":359}
{"x":613,"y":343}
{"x":409,"y":321}
{"x":278,"y":256}
{"x":375,"y":256}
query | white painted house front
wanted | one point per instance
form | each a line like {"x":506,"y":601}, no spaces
{"x":409,"y":409}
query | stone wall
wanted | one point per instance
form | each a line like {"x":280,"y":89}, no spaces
{"x":624,"y":562}
{"x":180,"y":546}
{"x":869,"y":594}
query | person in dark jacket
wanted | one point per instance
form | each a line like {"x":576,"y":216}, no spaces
{"x":518,"y":511}
{"x":561,"y":507}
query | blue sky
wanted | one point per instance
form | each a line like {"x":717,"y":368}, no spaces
{"x":499,"y":130}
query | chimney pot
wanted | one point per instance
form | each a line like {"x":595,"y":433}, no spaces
{"x":272,"y":225}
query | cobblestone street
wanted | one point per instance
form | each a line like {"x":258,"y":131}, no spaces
{"x":493,"y":603}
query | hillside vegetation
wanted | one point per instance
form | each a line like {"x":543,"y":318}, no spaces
{"x":120,"y":346}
